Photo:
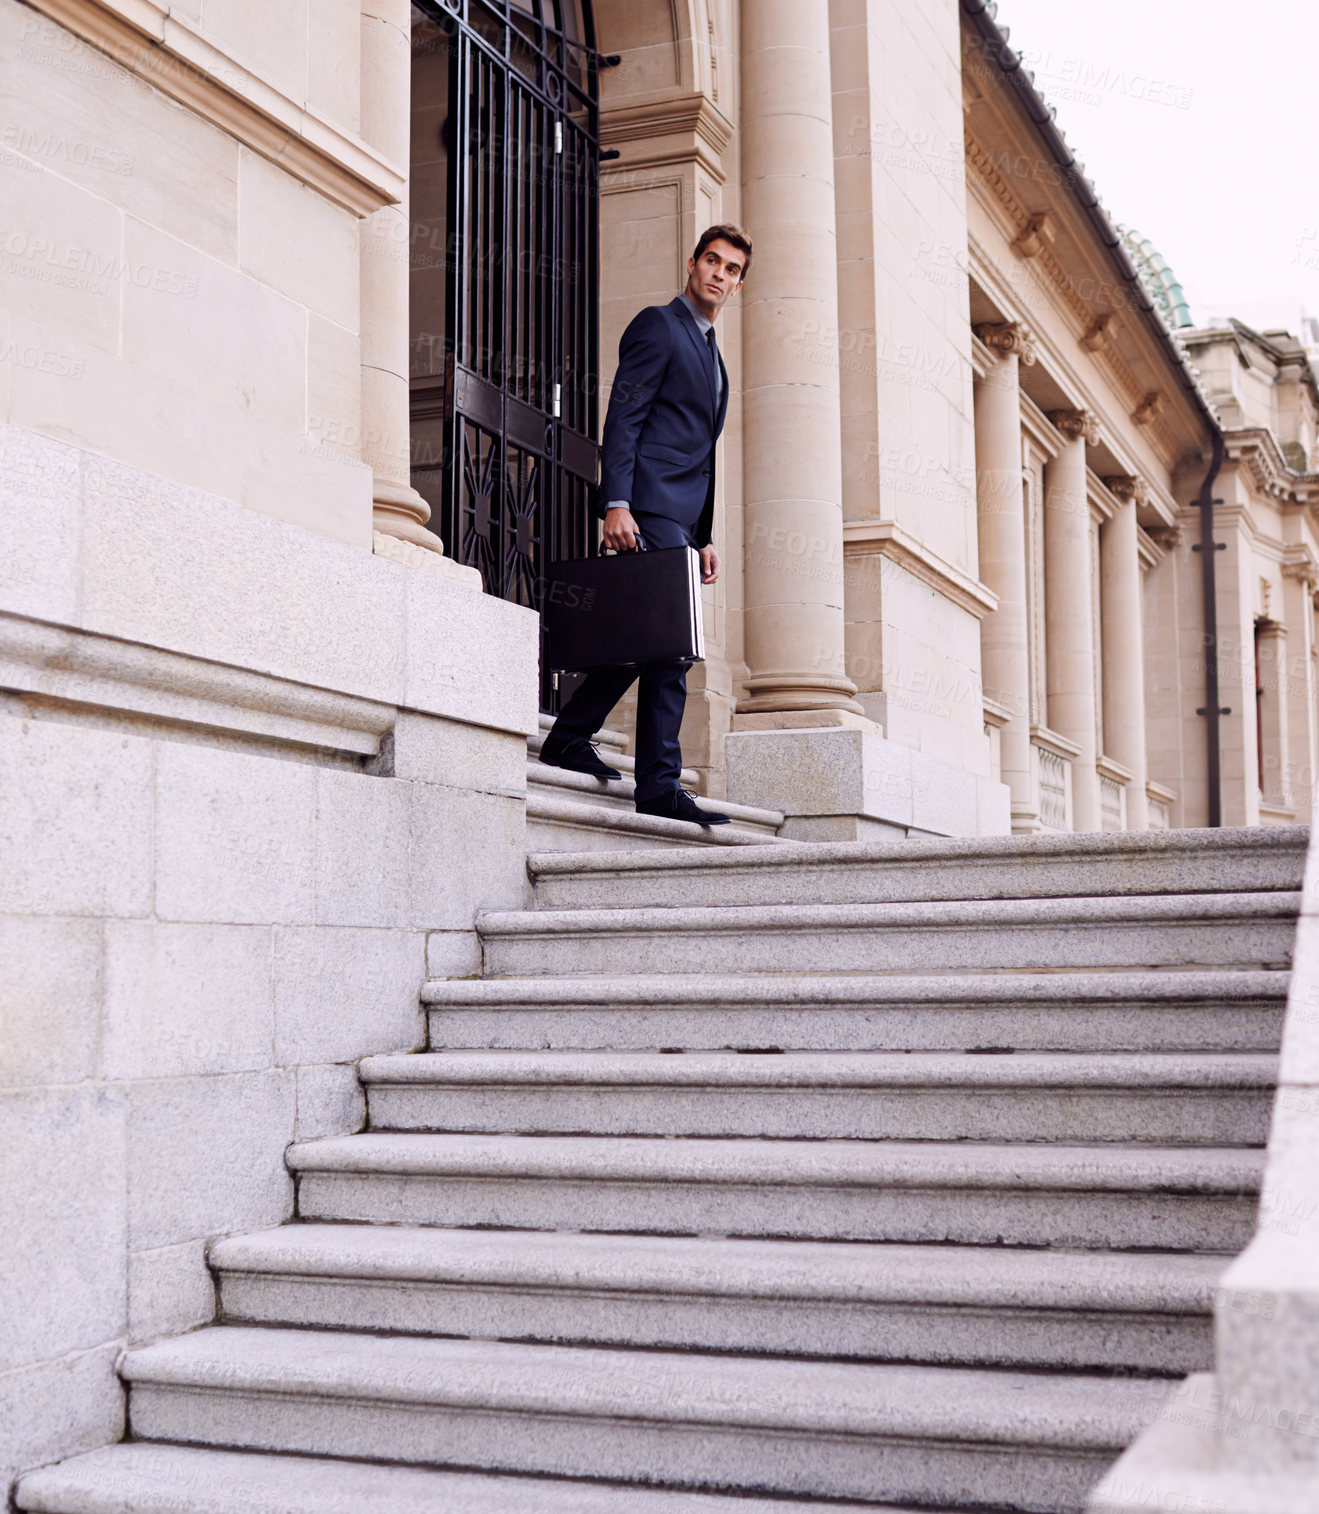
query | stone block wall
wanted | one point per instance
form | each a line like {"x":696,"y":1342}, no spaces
{"x":170,"y":296}
{"x":253,"y":779}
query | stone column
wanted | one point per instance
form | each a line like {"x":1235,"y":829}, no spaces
{"x":1004,"y":643}
{"x":1124,"y":644}
{"x":792,"y":460}
{"x":399,"y":510}
{"x":1069,"y":609}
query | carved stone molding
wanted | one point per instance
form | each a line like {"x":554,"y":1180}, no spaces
{"x":1300,"y":563}
{"x":885,"y":538}
{"x":1034,"y":236}
{"x":1007,"y":337}
{"x":1097,"y":332}
{"x":1166,"y":538}
{"x":667,"y":131}
{"x":1076,"y":425}
{"x":1150,"y":408}
{"x":1127,"y":487}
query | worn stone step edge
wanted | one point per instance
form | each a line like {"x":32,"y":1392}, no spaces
{"x":556,"y":783}
{"x":148,"y":1478}
{"x":626,"y":822}
{"x":986,"y":1406}
{"x":784,"y":1272}
{"x":1203,"y":849}
{"x":605,"y":736}
{"x":959,"y":914}
{"x":1205,"y":1171}
{"x":719,"y":1071}
{"x":1072,"y":989}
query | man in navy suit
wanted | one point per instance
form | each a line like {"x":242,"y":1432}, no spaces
{"x":666,"y":410}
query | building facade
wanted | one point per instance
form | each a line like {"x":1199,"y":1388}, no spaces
{"x":307,"y":316}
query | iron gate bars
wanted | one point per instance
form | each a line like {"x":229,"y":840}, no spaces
{"x":504,"y":400}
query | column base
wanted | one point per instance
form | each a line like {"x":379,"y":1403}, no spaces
{"x":799,"y":720}
{"x":398,"y":510}
{"x":845,"y":784}
{"x":397,"y":549}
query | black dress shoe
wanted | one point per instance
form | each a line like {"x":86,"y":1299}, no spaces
{"x":576,"y":757}
{"x":679,"y":805}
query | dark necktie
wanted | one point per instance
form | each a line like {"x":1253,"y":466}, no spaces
{"x":714,"y":358}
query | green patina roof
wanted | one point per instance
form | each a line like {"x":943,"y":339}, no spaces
{"x":1157,"y":277}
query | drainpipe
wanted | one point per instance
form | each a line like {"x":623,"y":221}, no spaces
{"x":1209,"y":549}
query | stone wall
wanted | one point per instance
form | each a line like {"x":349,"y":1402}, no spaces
{"x":253,"y":777}
{"x":170,"y":295}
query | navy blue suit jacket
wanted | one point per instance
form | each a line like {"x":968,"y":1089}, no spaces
{"x":658,"y":448}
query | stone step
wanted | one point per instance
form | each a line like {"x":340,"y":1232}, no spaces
{"x":1118,"y":1011}
{"x":142,"y":1477}
{"x":581,"y":823}
{"x":1164,"y":1099}
{"x":976,"y":1306}
{"x":1196,"y":930}
{"x":1084,"y":1197}
{"x":820,"y":1429}
{"x":614,"y":742}
{"x":1239,"y":860}
{"x":620,"y":794}
{"x":537,"y":772}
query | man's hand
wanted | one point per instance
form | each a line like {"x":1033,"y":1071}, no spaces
{"x":709,"y":565}
{"x":620,"y":531}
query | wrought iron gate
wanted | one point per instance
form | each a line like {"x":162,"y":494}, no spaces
{"x":504,"y":422}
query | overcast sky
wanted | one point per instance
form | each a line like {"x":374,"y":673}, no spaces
{"x":1196,"y":122}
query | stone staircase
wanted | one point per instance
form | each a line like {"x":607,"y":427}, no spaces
{"x":575,"y":813}
{"x":757,"y":1180}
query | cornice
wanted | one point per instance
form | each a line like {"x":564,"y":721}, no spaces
{"x":672,"y":129}
{"x":1256,"y":450}
{"x":168,"y":53}
{"x":1095,"y":330}
{"x":1300,"y":562}
{"x":885,"y":538}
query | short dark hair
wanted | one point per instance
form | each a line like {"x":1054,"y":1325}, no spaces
{"x":726,"y":233}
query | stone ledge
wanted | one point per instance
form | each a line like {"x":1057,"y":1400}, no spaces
{"x":105,"y":677}
{"x":151,"y":40}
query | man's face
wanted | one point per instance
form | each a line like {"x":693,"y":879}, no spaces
{"x":716,"y":275}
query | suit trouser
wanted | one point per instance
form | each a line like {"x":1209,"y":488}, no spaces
{"x":661,"y":694}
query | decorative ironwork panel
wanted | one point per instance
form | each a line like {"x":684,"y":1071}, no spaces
{"x":517,"y":419}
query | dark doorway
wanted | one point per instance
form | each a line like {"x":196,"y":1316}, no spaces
{"x":504,"y":284}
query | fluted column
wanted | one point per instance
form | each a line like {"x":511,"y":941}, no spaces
{"x":1069,"y":609}
{"x":1124,"y":644}
{"x":386,"y":103}
{"x":791,"y":417}
{"x":1001,"y":528}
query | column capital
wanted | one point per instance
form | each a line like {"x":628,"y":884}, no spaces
{"x":1007,"y":337}
{"x":1076,"y":424}
{"x":1128,"y":488}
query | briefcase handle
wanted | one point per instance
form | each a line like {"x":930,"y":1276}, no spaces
{"x":603,"y":551}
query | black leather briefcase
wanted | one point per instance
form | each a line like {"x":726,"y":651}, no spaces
{"x":624,"y":611}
